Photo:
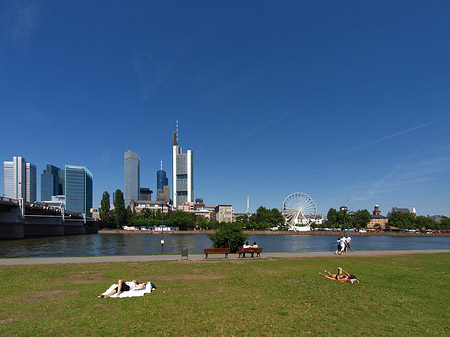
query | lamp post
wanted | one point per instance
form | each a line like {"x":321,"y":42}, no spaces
{"x":162,"y":227}
{"x":344,"y":209}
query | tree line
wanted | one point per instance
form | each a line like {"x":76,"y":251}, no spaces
{"x":120,"y":216}
{"x":403,"y":221}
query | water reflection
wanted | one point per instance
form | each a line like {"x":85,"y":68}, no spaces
{"x":144,"y":244}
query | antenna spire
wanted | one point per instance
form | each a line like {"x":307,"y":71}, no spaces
{"x":177,"y":131}
{"x":161,"y":164}
{"x":248,"y":206}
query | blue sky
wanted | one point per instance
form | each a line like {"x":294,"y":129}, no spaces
{"x":347,"y":101}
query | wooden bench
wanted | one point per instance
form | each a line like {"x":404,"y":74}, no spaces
{"x":252,"y":251}
{"x":225,"y":251}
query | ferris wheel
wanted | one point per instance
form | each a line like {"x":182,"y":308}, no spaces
{"x":299,"y":209}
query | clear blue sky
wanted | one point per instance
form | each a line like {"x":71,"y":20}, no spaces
{"x":347,"y":101}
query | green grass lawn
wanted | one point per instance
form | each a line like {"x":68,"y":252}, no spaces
{"x":397,"y":296}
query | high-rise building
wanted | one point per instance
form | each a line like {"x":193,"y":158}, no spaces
{"x":79,"y":189}
{"x":183,"y":180}
{"x":31,"y":182}
{"x":52,"y":182}
{"x":19,"y":179}
{"x":162,"y":185}
{"x":132,"y":163}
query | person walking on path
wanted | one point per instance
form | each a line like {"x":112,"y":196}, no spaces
{"x":348,"y":240}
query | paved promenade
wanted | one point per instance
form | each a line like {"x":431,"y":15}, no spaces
{"x":199,"y":257}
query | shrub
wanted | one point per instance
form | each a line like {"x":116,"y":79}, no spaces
{"x":229,"y":235}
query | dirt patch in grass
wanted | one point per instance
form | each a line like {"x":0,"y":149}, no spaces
{"x":205,"y":277}
{"x":7,"y":321}
{"x":47,"y":295}
{"x":83,"y":277}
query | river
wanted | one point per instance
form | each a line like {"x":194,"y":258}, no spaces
{"x":145,"y":244}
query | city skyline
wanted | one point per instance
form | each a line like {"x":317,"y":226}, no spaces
{"x":347,"y":103}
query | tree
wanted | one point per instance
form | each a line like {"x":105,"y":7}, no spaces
{"x":130,"y":216}
{"x":343,"y":219}
{"x":105,"y":212}
{"x":362,"y":218}
{"x":229,"y":235}
{"x":401,"y":220}
{"x":182,"y":219}
{"x":332,"y":217}
{"x":445,"y":223}
{"x":424,"y":222}
{"x":120,"y":213}
{"x":265,"y":218}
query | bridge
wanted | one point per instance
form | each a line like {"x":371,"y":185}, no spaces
{"x":19,"y":219}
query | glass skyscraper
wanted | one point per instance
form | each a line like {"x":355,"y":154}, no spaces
{"x":132,"y":182}
{"x":52,"y":182}
{"x":19,"y":179}
{"x":162,"y":186}
{"x":183,"y":168}
{"x":79,"y":189}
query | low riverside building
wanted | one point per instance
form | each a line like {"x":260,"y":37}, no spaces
{"x":209,"y":212}
{"x":152,"y":205}
{"x":224,"y":213}
{"x":377,"y":221}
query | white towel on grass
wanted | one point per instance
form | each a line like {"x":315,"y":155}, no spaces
{"x":130,"y":293}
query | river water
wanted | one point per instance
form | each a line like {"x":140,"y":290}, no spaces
{"x":145,"y":244}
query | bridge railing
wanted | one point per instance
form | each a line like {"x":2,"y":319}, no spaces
{"x":12,"y":201}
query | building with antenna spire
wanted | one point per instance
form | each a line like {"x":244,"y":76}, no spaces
{"x":182,"y":173}
{"x":162,"y":185}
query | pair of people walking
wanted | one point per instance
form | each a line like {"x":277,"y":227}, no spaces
{"x":344,"y":242}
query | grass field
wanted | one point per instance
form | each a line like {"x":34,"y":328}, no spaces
{"x":398,"y":296}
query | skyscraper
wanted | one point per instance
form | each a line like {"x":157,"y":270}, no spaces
{"x":79,"y":189}
{"x":183,"y":180}
{"x":30,"y":172}
{"x":52,"y":182}
{"x":132,"y":182}
{"x":162,"y":185}
{"x":19,"y":179}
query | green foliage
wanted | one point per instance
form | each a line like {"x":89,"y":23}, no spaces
{"x":423,"y":222}
{"x":265,"y":218}
{"x":332,"y":217}
{"x":362,"y":218}
{"x":183,"y":220}
{"x":229,"y":235}
{"x":120,"y":213}
{"x":106,"y":219}
{"x":401,"y":220}
{"x":130,"y":216}
{"x":445,"y":223}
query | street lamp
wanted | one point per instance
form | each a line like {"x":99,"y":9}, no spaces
{"x":162,"y":226}
{"x":344,"y":208}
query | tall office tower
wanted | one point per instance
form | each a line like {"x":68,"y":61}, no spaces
{"x":52,"y":182}
{"x":162,"y":185}
{"x":131,"y":177}
{"x":183,"y":180}
{"x":19,"y":179}
{"x":79,"y":189}
{"x":31,"y":182}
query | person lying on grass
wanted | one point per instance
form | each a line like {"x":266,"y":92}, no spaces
{"x":346,"y":277}
{"x":124,"y":286}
